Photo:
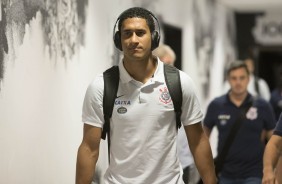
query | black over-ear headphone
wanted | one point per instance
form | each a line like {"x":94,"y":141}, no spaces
{"x":155,"y":34}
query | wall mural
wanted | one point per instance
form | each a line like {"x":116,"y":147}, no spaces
{"x":204,"y":18}
{"x":207,"y":17}
{"x":63,"y":23}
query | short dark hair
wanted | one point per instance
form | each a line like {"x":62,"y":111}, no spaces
{"x":138,"y":12}
{"x":235,"y":65}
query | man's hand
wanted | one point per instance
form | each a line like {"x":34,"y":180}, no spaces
{"x":268,"y":176}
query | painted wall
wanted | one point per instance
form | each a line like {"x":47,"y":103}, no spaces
{"x":41,"y":96}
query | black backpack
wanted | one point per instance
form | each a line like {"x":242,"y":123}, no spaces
{"x":111,"y":82}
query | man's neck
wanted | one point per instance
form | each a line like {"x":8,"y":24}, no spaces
{"x":141,"y":70}
{"x":237,"y":99}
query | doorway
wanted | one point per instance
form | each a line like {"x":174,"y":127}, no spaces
{"x":269,"y":64}
{"x":173,"y":38}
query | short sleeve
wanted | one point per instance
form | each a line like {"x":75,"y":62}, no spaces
{"x":210,"y":120}
{"x":269,"y":117}
{"x":92,"y":110}
{"x":278,"y":128}
{"x":191,"y":109}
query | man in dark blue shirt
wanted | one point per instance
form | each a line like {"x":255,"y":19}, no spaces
{"x":243,"y":163}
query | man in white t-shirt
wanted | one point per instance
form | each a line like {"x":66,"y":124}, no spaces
{"x":143,"y":129}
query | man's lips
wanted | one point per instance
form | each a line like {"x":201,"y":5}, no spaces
{"x":135,"y":48}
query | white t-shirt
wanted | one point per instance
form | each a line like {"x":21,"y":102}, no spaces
{"x":143,"y":129}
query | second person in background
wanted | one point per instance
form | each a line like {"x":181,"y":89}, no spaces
{"x":243,"y":161}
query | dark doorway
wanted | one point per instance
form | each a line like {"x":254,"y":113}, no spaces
{"x":245,"y":23}
{"x":173,"y":38}
{"x":269,"y":64}
{"x":268,"y":59}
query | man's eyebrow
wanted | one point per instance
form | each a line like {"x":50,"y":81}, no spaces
{"x":138,"y":29}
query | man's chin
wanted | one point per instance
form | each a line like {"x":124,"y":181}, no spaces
{"x":239,"y":92}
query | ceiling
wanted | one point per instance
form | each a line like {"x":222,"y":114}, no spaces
{"x":253,"y":5}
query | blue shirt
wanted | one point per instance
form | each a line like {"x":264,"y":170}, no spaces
{"x":276,"y":102}
{"x":278,"y":128}
{"x":244,"y":158}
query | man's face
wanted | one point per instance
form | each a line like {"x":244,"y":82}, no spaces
{"x":238,"y":80}
{"x":135,"y":38}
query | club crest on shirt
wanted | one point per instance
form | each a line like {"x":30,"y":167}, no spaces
{"x":252,"y":113}
{"x":164,"y":95}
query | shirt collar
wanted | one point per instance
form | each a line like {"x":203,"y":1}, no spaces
{"x":247,"y":100}
{"x":125,"y":77}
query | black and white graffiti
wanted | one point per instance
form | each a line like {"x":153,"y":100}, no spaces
{"x":63,"y":23}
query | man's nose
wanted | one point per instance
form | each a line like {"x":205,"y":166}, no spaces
{"x":239,"y":80}
{"x":134,"y":37}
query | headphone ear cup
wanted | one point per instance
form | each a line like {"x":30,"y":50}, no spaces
{"x":155,"y":40}
{"x":117,"y":41}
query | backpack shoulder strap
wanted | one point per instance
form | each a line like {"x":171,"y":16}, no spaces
{"x":172,"y":79}
{"x":111,"y":81}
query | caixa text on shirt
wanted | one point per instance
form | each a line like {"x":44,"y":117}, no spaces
{"x":122,"y":102}
{"x":122,"y":110}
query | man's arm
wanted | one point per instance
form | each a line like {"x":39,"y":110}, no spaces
{"x":265,"y":135}
{"x":201,"y":150}
{"x":207,"y":131}
{"x":268,"y":134}
{"x":271,"y":154}
{"x":88,"y":153}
